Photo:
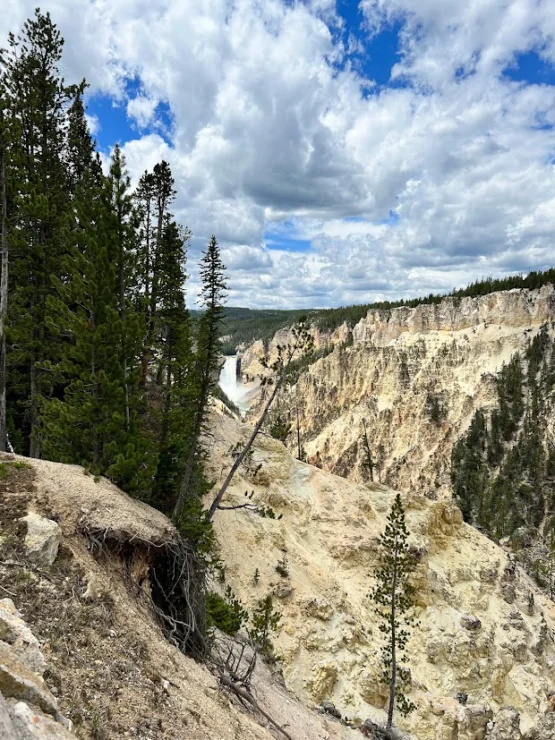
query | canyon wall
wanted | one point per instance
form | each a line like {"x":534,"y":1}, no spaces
{"x":414,"y":377}
{"x":484,"y":629}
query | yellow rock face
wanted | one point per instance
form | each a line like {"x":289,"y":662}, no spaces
{"x":470,"y":639}
{"x":399,"y":360}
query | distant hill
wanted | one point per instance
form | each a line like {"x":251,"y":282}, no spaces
{"x":246,"y":325}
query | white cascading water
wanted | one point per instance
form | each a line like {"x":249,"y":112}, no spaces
{"x":232,"y":386}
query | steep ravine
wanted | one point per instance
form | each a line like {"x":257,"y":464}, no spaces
{"x":403,"y":365}
{"x":485,"y":630}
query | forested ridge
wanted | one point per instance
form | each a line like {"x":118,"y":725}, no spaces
{"x":100,"y":362}
{"x":503,"y":468}
{"x":244,"y":325}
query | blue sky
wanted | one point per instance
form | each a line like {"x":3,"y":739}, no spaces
{"x":340,"y":151}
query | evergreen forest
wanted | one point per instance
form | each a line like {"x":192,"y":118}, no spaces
{"x":100,"y":362}
{"x":503,"y":468}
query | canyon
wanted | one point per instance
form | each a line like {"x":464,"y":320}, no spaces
{"x":387,"y":371}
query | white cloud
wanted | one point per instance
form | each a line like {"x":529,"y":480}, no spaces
{"x":141,"y":109}
{"x":270,"y":126}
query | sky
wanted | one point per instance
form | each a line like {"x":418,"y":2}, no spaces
{"x":341,"y":151}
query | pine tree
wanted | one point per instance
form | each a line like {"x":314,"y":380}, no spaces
{"x":393,"y":595}
{"x":265,"y":620}
{"x":80,"y":155}
{"x":37,"y":99}
{"x":155,"y":195}
{"x":206,"y":366}
{"x":4,"y":267}
{"x":174,"y":364}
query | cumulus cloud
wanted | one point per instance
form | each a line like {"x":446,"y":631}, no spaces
{"x":277,"y":135}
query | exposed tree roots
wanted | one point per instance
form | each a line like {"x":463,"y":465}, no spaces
{"x":173,"y":579}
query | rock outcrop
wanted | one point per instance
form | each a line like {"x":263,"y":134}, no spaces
{"x":475,"y":640}
{"x":28,"y":709}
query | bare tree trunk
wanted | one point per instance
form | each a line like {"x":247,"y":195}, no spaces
{"x":298,"y":434}
{"x":3,"y":302}
{"x":368,"y":451}
{"x":393,"y":681}
{"x":245,"y":450}
{"x":34,"y":445}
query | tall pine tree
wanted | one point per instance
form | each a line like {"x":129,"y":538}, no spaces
{"x":37,"y":100}
{"x":206,"y":367}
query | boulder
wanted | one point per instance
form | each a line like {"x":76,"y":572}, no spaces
{"x":506,"y":725}
{"x":18,"y":682}
{"x":32,"y":724}
{"x":470,"y":623}
{"x":43,"y":538}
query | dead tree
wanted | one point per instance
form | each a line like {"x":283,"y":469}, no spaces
{"x":301,"y":343}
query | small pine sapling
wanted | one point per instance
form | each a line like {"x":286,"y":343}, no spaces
{"x":265,"y":620}
{"x":394,"y":599}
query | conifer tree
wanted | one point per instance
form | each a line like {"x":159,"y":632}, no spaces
{"x":156,"y":191}
{"x":393,"y":595}
{"x":80,"y":153}
{"x":4,"y":267}
{"x":206,"y":366}
{"x":37,"y":99}
{"x":174,"y":363}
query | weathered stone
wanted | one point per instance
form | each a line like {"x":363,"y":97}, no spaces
{"x":6,"y":728}
{"x":470,"y":623}
{"x":508,"y":593}
{"x":43,"y":538}
{"x":373,"y":731}
{"x":543,"y":730}
{"x":329,"y":708}
{"x":283,"y":590}
{"x":14,"y":631}
{"x":317,"y":608}
{"x":506,"y":725}
{"x":32,"y":724}
{"x":462,"y":698}
{"x":18,"y":682}
{"x":472,"y":725}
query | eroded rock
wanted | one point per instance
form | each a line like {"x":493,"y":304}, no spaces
{"x":32,"y":724}
{"x":18,"y":682}
{"x":16,"y":633}
{"x":43,"y":538}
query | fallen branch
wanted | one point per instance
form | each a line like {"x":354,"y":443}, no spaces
{"x":246,"y":695}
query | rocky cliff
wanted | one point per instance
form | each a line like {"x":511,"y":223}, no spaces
{"x":485,"y":633}
{"x":415,"y":376}
{"x":80,"y":561}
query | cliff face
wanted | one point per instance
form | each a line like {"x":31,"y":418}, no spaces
{"x":415,"y":376}
{"x":485,"y":630}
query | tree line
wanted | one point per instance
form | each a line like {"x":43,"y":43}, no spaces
{"x":244,"y":326}
{"x":100,"y":363}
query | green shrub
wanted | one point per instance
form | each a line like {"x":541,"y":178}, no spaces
{"x":225,"y":613}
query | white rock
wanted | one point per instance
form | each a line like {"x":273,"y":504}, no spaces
{"x":43,"y":538}
{"x":31,"y":724}
{"x":16,"y":633}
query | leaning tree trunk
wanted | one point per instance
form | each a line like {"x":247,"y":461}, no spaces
{"x":245,"y":450}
